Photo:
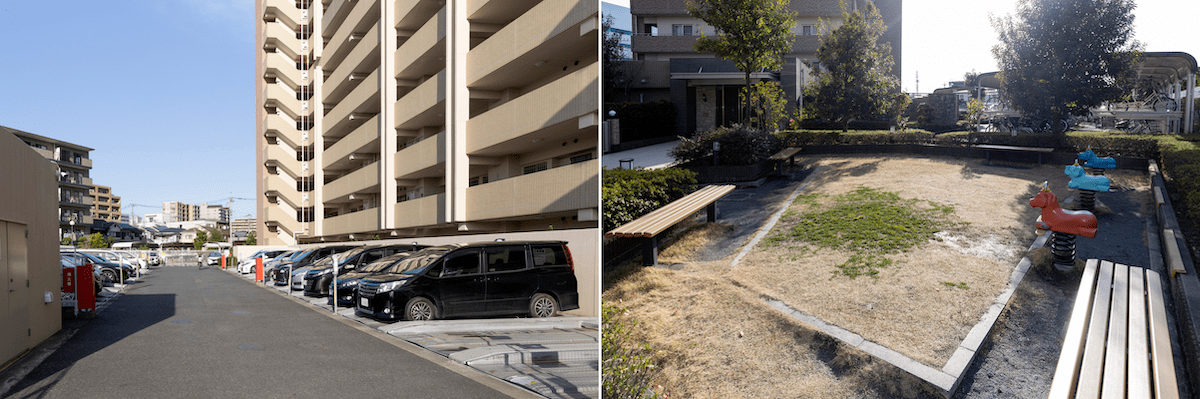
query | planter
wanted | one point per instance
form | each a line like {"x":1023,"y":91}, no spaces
{"x":729,"y":174}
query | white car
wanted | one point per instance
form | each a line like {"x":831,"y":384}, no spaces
{"x":213,"y":258}
{"x":113,"y":256}
{"x":246,"y":266}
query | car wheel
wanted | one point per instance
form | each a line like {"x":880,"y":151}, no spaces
{"x":543,"y":305}
{"x":420,"y":309}
{"x":109,"y":276}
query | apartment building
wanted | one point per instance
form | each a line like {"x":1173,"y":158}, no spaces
{"x":175,"y":211}
{"x":217,"y":213}
{"x":423,"y":118}
{"x":105,"y":205}
{"x":72,"y":169}
{"x":245,"y":225}
{"x":704,"y":88}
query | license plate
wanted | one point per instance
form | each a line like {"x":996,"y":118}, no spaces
{"x":364,"y":303}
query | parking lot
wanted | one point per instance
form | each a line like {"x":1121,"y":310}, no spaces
{"x":556,"y":357}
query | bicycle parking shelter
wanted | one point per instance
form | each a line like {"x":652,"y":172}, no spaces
{"x":1162,"y":104}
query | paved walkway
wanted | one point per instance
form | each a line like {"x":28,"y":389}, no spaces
{"x":648,"y":157}
{"x":187,"y":333}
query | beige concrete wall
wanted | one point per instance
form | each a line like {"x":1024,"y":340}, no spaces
{"x":25,"y":317}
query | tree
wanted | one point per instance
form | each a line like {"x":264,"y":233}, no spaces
{"x":610,"y":45}
{"x":753,"y":34}
{"x":215,"y":235}
{"x":1064,"y":57}
{"x":201,"y":239}
{"x":251,"y":239}
{"x":769,"y":104}
{"x":854,"y":79}
{"x":97,"y":240}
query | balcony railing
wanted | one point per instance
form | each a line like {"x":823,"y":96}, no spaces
{"x":363,"y":221}
{"x":429,"y":210}
{"x":563,"y":188}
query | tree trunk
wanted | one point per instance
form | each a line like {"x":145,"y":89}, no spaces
{"x":746,"y":100}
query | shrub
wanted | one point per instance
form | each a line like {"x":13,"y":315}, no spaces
{"x":631,"y":193}
{"x":740,"y":145}
{"x":627,"y":363}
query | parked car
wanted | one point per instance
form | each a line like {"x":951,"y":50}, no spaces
{"x":154,"y":259}
{"x":213,"y":258}
{"x":269,"y":267}
{"x":250,"y":264}
{"x":296,"y":265}
{"x":111,"y":256}
{"x":111,"y":271}
{"x":482,"y":279}
{"x":320,"y":275}
{"x":348,"y":283}
{"x":134,"y":258}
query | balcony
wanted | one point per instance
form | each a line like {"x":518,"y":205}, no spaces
{"x":364,"y":99}
{"x":663,"y":44}
{"x":361,"y":17}
{"x":284,"y":99}
{"x":285,"y":160}
{"x":282,"y":38}
{"x":560,"y":101}
{"x":418,"y":56}
{"x":284,"y":11}
{"x":429,"y":210}
{"x":363,"y":221}
{"x":283,"y":190}
{"x":564,"y":188}
{"x":276,"y":216}
{"x":45,"y":153}
{"x":283,"y":69}
{"x":363,"y":179}
{"x":421,"y":106}
{"x":363,"y":60}
{"x":507,"y":57}
{"x":364,"y":139}
{"x":83,"y":222}
{"x":410,"y":15}
{"x":83,"y":201}
{"x":285,"y":129}
{"x":422,"y":159}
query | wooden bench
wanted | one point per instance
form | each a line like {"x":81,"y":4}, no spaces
{"x":1117,"y":342}
{"x":786,"y":154}
{"x":650,"y":225}
{"x":993,"y":147}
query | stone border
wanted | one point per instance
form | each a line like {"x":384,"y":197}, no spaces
{"x":1185,"y":286}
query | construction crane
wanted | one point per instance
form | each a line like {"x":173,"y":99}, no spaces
{"x":132,"y":209}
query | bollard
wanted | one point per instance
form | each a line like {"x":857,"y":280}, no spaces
{"x":222,"y":261}
{"x":258,"y":271}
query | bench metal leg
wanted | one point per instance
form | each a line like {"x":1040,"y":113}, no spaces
{"x":650,"y":251}
{"x":712,"y":212}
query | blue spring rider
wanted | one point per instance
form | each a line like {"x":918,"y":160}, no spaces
{"x":1091,"y":160}
{"x":1081,"y":181}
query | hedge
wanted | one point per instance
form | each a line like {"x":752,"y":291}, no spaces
{"x":631,"y":193}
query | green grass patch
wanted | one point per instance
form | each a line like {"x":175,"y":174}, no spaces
{"x":959,"y":285}
{"x":867,"y":222}
{"x":628,"y":362}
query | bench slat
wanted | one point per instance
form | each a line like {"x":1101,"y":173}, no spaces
{"x":785,"y":153}
{"x":1093,"y":352}
{"x":647,"y":226}
{"x":1139,"y":348}
{"x":1063,"y":384}
{"x":1160,"y":341}
{"x":1113,"y":386}
{"x":655,"y":222}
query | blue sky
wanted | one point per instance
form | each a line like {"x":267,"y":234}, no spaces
{"x":162,"y":90}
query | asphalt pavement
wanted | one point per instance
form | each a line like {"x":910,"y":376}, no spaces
{"x":185,"y":333}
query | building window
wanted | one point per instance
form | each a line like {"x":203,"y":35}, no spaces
{"x":581,"y":158}
{"x":808,"y":30}
{"x":475,"y":181}
{"x":682,"y":30}
{"x":537,"y":167}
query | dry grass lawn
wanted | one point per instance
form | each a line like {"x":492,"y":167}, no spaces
{"x":715,"y":336}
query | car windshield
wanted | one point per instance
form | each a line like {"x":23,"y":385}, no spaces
{"x":342,"y":258}
{"x":384,"y":262}
{"x":416,"y":263}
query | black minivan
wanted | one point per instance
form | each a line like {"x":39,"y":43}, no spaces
{"x":481,"y":279}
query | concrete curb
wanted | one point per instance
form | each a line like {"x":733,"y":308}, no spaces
{"x":1185,"y":286}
